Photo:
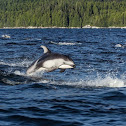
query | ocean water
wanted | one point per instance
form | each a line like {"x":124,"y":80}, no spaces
{"x":92,"y":94}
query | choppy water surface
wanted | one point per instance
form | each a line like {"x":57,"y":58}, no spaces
{"x":92,"y":94}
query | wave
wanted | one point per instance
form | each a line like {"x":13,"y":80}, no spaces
{"x":29,"y":119}
{"x":24,"y":63}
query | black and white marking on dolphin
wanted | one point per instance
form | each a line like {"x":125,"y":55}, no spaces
{"x":50,"y":61}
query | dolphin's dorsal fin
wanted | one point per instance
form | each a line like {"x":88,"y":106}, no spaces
{"x":46,"y":50}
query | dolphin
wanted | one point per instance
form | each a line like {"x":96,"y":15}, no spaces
{"x":50,"y":61}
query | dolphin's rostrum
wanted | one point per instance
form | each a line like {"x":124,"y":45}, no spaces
{"x":50,"y":61}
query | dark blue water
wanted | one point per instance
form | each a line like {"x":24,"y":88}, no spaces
{"x":92,"y":94}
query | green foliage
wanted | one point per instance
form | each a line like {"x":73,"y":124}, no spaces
{"x":62,"y":13}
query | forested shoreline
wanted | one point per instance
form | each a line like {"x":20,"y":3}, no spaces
{"x":62,"y":13}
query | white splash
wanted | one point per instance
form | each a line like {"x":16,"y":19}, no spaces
{"x":107,"y":81}
{"x":120,"y":45}
{"x":17,"y":72}
{"x":65,"y":43}
{"x":68,"y":43}
{"x":38,"y":74}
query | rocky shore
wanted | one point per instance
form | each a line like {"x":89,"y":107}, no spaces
{"x":86,"y":26}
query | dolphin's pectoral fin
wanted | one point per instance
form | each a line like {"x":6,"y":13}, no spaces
{"x":62,"y":70}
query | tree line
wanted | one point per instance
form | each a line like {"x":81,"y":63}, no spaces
{"x":62,"y":13}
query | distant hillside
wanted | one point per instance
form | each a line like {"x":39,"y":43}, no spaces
{"x":62,"y":13}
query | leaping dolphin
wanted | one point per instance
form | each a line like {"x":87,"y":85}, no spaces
{"x":50,"y":61}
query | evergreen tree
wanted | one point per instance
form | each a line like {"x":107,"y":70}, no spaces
{"x":62,"y":13}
